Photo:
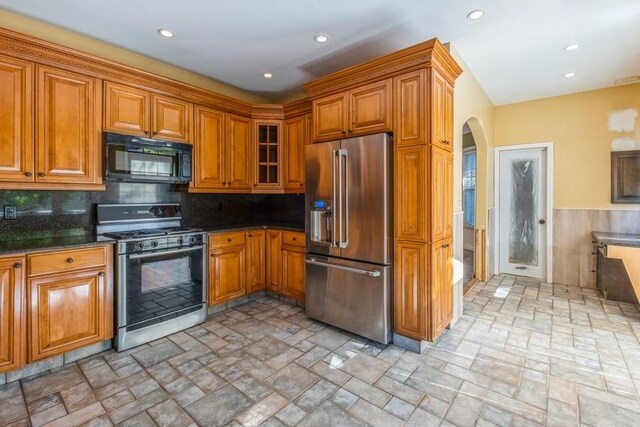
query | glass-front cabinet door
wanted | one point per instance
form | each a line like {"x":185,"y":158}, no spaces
{"x":268,"y":172}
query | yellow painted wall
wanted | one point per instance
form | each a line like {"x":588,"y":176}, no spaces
{"x":577,"y":126}
{"x":472,"y":104}
{"x":51,"y":33}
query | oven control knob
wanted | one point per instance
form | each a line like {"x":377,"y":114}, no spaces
{"x":138,"y":246}
{"x":154,"y":244}
{"x":180,"y":241}
{"x":192,"y":240}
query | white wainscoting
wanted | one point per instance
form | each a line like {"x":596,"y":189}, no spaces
{"x":458,"y":253}
{"x":491,"y":242}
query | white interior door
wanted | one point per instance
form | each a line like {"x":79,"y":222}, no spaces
{"x":522,"y":212}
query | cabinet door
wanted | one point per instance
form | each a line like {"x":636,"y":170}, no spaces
{"x":13,"y":320}
{"x":409,"y":100}
{"x":68,"y":136}
{"x":410,"y":290}
{"x":293,"y":272}
{"x":16,"y":120}
{"x":126,"y":110}
{"x":441,"y":117}
{"x":268,"y":155}
{"x":410,"y":193}
{"x":256,"y":261}
{"x":274,"y":260}
{"x":67,"y":311}
{"x":238,"y":153}
{"x":226,"y":274}
{"x":447,"y":116}
{"x":441,"y":298}
{"x":209,"y":153}
{"x":330,"y":117}
{"x":171,"y":119}
{"x":370,"y":108}
{"x":441,"y":194}
{"x":294,"y":142}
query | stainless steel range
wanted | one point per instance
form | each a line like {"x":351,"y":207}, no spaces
{"x":161,"y":272}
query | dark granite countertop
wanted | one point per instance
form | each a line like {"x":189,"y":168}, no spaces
{"x":51,"y":243}
{"x":619,"y":239}
{"x":238,"y":227}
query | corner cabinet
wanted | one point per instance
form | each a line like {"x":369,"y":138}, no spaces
{"x":411,"y":93}
{"x":268,"y":155}
{"x":13,"y":320}
{"x":256,"y":268}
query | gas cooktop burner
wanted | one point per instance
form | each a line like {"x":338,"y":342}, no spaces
{"x":152,"y":232}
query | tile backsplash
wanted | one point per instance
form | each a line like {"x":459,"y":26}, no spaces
{"x":63,"y":213}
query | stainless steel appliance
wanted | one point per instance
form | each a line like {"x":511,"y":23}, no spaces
{"x":138,"y":159}
{"x":161,"y":272}
{"x":349,"y":234}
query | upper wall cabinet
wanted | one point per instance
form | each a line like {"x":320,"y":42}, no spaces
{"x":442,"y":112}
{"x":296,"y":136}
{"x":366,"y":109}
{"x":410,"y":112}
{"x":268,"y":152}
{"x":68,"y":127}
{"x":238,"y":152}
{"x":16,"y":120}
{"x":138,"y":112}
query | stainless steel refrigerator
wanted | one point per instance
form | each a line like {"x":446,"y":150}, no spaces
{"x":349,"y":234}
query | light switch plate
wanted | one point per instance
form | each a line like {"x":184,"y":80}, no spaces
{"x":10,"y":212}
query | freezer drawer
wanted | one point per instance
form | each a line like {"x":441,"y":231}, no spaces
{"x":353,"y":296}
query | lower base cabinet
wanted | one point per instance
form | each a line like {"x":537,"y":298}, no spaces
{"x":442,"y":286}
{"x":13,"y":320}
{"x":67,"y":311}
{"x":271,"y":260}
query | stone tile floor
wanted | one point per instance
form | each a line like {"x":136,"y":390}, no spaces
{"x":524,"y":353}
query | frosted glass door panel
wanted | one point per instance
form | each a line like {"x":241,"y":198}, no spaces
{"x":522,"y":213}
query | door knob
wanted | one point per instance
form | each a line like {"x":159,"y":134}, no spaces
{"x":542,"y":221}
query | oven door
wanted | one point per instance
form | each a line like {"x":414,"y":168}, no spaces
{"x":157,"y":286}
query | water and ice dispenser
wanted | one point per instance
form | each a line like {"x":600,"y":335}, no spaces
{"x":320,"y":221}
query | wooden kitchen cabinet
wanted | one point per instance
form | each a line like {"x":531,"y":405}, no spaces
{"x":138,"y":112}
{"x":442,"y":286}
{"x":13,"y":321}
{"x":410,"y":294}
{"x":226,"y":274}
{"x":363,"y":110}
{"x":70,"y":300}
{"x":295,"y":139}
{"x":441,"y":194}
{"x":16,"y":120}
{"x":209,"y":149}
{"x":442,"y":112}
{"x":411,"y":195}
{"x":238,"y":153}
{"x":256,"y":260}
{"x":293,"y":272}
{"x":274,"y":260}
{"x":410,"y":112}
{"x":268,"y":155}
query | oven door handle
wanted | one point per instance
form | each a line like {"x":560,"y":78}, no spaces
{"x":156,"y":253}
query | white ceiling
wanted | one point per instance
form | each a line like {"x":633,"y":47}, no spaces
{"x":515,"y":51}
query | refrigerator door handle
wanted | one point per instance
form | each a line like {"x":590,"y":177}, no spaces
{"x":344,"y":207}
{"x":335,"y":168}
{"x":372,"y":273}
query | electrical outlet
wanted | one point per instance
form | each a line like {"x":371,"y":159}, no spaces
{"x":10,"y":212}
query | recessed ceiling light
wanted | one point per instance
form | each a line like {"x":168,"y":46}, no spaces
{"x":571,"y":47}
{"x":569,"y":75}
{"x":166,"y":33}
{"x":321,"y":38}
{"x":475,"y":14}
{"x":267,"y":75}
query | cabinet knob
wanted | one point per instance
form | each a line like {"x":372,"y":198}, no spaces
{"x":28,"y":174}
{"x":446,"y":245}
{"x":101,"y":274}
{"x":294,"y":239}
{"x":17,"y":265}
{"x":249,"y":235}
{"x":41,"y":174}
{"x":446,"y":141}
{"x":228,"y":240}
{"x":70,"y":260}
{"x":344,"y":133}
{"x":301,"y":184}
{"x":350,"y":131}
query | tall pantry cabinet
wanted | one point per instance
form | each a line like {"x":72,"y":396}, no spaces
{"x":409,"y":93}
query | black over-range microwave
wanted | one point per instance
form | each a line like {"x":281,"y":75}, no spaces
{"x":136,"y":159}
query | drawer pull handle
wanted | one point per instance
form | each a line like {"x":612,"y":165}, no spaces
{"x":17,"y":265}
{"x":70,"y":260}
{"x":101,"y":274}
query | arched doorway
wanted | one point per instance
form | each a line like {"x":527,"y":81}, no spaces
{"x":469,"y":206}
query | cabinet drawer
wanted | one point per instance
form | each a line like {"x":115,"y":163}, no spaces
{"x":57,"y":262}
{"x":224,"y":240}
{"x":291,"y":238}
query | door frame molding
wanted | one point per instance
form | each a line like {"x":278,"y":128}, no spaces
{"x":496,"y":195}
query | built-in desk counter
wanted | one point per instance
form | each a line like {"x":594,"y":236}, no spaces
{"x":618,"y":265}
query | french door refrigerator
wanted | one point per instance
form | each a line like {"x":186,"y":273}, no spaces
{"x":349,"y":234}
